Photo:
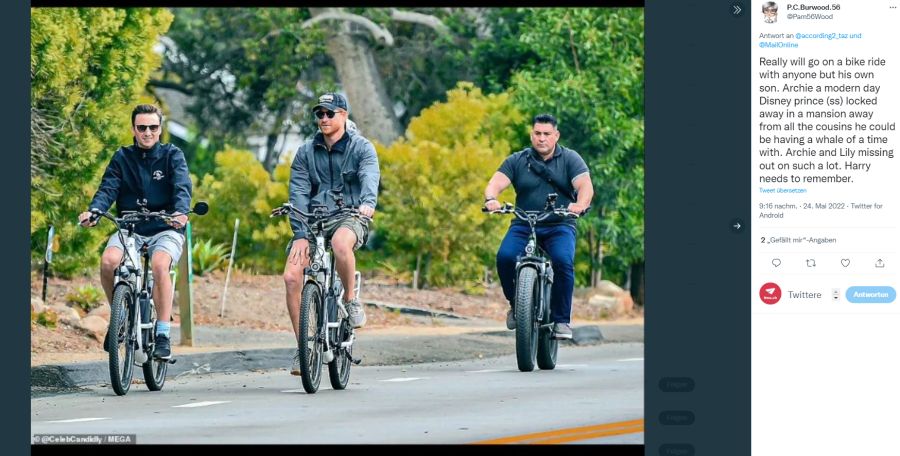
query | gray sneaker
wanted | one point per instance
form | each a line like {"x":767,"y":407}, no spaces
{"x":511,"y":319}
{"x":295,"y":365}
{"x":357,"y":314}
{"x":562,"y":331}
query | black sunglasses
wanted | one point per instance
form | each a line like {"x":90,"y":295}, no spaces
{"x":321,"y":114}
{"x":143,"y":128}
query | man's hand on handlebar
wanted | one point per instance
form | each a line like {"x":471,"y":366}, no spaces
{"x":89,"y":218}
{"x":577,"y":208}
{"x":492,"y":205}
{"x":366,"y":211}
{"x":177,"y":220}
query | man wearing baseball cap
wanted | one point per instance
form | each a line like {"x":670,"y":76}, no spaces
{"x":336,"y":161}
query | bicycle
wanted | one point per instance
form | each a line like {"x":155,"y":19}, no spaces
{"x":534,"y":279}
{"x":132,"y":316}
{"x":326,"y":336}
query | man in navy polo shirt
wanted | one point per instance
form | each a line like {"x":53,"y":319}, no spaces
{"x":544,"y":168}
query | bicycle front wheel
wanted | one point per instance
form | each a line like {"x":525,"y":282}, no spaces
{"x":122,"y":338}
{"x":526,"y":325}
{"x":310,"y":341}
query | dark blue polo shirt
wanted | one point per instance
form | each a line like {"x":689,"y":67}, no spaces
{"x":532,"y":190}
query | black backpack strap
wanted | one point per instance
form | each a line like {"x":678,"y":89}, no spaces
{"x":541,"y":170}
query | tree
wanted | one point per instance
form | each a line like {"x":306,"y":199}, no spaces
{"x":88,"y":70}
{"x":433,"y":179}
{"x":391,"y":64}
{"x":590,"y":74}
{"x":247,"y":71}
{"x":240,"y":187}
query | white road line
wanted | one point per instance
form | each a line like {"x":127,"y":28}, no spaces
{"x":78,"y":420}
{"x":631,"y":359}
{"x":403,"y":379}
{"x":484,"y":371}
{"x":293,"y":391}
{"x":200,"y":404}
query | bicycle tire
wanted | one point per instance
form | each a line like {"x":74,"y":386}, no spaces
{"x":154,"y":369}
{"x":548,"y":347}
{"x":339,"y":367}
{"x":121,"y":330}
{"x":526,"y":325}
{"x":310,"y":344}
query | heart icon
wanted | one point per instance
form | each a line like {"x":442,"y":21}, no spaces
{"x":845,"y":262}
{"x":776,"y":262}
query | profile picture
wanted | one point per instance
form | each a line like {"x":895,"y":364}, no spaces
{"x":770,"y":12}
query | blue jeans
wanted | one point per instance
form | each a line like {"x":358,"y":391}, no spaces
{"x":558,"y":241}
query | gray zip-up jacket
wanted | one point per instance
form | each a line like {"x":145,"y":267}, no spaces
{"x":351,"y":167}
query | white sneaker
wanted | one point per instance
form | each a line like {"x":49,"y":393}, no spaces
{"x":295,"y":365}
{"x":357,"y":314}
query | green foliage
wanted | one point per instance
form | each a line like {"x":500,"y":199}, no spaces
{"x":591,"y":76}
{"x":433,"y":180}
{"x":48,"y":318}
{"x":240,"y":187}
{"x":88,"y":70}
{"x":86,"y":297}
{"x":207,"y":257}
{"x":242,"y":67}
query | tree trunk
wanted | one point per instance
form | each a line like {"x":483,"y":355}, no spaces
{"x":416,"y":273}
{"x":599,"y":271}
{"x":637,"y":290}
{"x":271,"y":157}
{"x":370,"y":106}
{"x":628,"y":279}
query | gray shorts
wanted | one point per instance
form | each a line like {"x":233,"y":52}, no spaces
{"x":169,"y":241}
{"x":354,"y":224}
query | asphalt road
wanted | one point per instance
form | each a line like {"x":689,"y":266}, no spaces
{"x":595,"y":395}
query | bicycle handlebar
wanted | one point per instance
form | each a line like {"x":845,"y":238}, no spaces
{"x":201,"y":208}
{"x":537,"y":216}
{"x":288,"y":209}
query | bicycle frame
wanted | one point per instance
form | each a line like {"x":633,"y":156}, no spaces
{"x":533,"y":258}
{"x":140,"y":279}
{"x":322,"y":273}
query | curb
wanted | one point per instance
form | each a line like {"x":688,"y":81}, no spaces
{"x":375,"y":351}
{"x":413,"y":310}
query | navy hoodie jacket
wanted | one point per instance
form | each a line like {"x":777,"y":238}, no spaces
{"x":158,"y":177}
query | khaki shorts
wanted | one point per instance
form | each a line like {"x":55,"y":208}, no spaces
{"x":354,"y":224}
{"x":169,"y":241}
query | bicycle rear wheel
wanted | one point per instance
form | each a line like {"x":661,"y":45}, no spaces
{"x":339,"y":367}
{"x":310,"y":343}
{"x":154,"y":369}
{"x":548,"y":347}
{"x":526,"y":326}
{"x":121,"y":330}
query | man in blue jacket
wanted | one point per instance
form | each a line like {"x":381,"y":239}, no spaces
{"x":335,"y":159}
{"x":154,"y":176}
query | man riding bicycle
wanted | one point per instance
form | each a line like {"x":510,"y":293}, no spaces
{"x":535,"y":172}
{"x":334,"y":162}
{"x":153,"y":176}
